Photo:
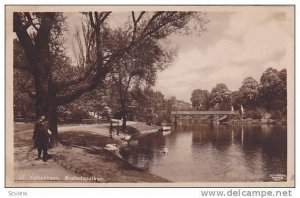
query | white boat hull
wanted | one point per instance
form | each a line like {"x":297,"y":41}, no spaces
{"x":166,"y":128}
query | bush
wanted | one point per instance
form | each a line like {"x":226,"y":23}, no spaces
{"x":253,"y":114}
{"x":277,"y":114}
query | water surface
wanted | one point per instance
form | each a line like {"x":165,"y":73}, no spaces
{"x":205,"y":153}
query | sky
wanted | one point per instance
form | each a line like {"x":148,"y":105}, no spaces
{"x":239,"y":42}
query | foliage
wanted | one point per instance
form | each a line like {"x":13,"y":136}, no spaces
{"x":268,"y":96}
{"x":137,"y":69}
{"x":23,"y":85}
{"x":249,"y":92}
{"x":273,"y":86}
{"x":151,"y":106}
{"x":102,"y":47}
{"x":200,"y":99}
{"x":220,"y":97}
{"x":57,"y":83}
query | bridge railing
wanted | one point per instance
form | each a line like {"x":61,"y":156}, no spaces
{"x":205,"y":113}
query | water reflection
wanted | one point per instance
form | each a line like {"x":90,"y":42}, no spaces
{"x":203,"y":152}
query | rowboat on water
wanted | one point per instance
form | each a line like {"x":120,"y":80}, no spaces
{"x":165,"y":127}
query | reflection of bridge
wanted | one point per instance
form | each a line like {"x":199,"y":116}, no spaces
{"x":179,"y":114}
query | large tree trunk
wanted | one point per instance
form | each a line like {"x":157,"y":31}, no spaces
{"x":52,"y":123}
{"x":41,"y":105}
{"x":52,"y":120}
{"x":37,"y":54}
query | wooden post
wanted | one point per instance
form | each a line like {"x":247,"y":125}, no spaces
{"x":111,"y":128}
{"x":179,"y":119}
{"x":118,"y":128}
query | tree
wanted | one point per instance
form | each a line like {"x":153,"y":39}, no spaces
{"x":273,"y":87}
{"x":200,"y":99}
{"x":91,"y":105}
{"x":157,"y":107}
{"x":53,"y":88}
{"x":140,"y":67}
{"x":220,"y":96}
{"x":36,"y":48}
{"x":149,"y":102}
{"x":236,"y":99}
{"x":283,"y":89}
{"x":249,"y":92}
{"x":23,"y":104}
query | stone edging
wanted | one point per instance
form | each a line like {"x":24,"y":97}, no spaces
{"x":78,"y":170}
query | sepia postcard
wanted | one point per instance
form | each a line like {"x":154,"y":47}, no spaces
{"x":150,"y":96}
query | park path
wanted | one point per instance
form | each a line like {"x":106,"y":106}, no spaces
{"x":81,"y":154}
{"x":103,"y":129}
{"x":27,"y":169}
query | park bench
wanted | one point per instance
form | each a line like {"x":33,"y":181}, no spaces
{"x":88,"y":121}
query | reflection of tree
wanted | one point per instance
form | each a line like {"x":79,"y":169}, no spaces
{"x":251,"y":140}
{"x":142,"y":160}
{"x":265,"y":146}
{"x":274,"y":151}
{"x":263,"y":151}
{"x":218,"y":136}
{"x":201,"y":134}
{"x":262,"y":147}
{"x":147,"y":150}
{"x":221,"y":137}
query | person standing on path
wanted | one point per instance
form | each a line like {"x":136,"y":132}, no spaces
{"x":41,"y":138}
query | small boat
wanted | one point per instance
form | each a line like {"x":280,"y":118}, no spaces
{"x":165,"y":127}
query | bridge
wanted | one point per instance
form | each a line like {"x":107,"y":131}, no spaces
{"x":179,"y":114}
{"x":205,"y":113}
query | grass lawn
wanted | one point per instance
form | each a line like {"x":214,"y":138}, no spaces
{"x":21,"y":126}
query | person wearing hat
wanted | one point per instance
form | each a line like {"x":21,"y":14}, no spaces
{"x":41,"y":138}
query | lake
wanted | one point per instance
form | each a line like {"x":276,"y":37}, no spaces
{"x":201,"y":152}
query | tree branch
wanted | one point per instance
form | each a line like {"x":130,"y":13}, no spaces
{"x":156,"y":15}
{"x":135,"y":22}
{"x":92,"y":20}
{"x":85,"y":86}
{"x":64,"y":85}
{"x":30,"y":20}
{"x":23,"y":67}
{"x":105,"y":15}
{"x":25,"y":40}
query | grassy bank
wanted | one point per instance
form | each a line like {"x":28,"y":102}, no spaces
{"x":82,"y":152}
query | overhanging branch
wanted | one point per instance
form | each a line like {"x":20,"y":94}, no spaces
{"x":85,"y":86}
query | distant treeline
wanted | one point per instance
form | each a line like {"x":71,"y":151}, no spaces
{"x":257,"y":98}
